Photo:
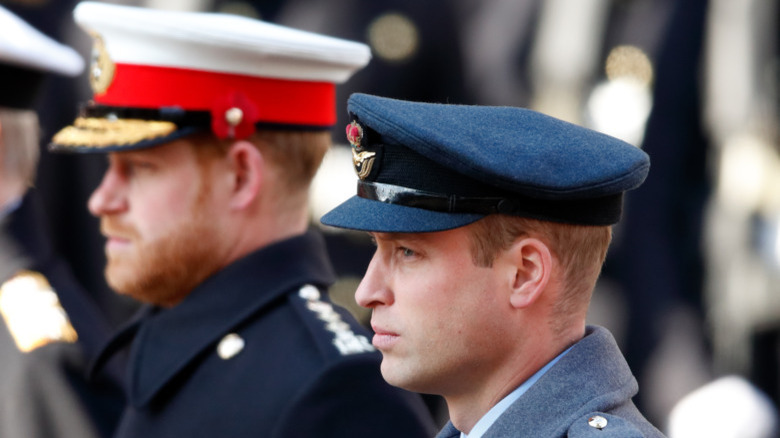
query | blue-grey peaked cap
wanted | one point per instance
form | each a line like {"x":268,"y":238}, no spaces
{"x":436,"y":166}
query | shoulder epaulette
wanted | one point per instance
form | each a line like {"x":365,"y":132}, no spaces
{"x":345,"y":340}
{"x":32,"y":312}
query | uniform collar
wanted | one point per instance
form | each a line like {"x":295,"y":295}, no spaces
{"x":592,"y":376}
{"x":499,"y":408}
{"x":594,"y":366}
{"x":167,"y":340}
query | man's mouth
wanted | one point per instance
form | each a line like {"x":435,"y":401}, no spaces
{"x":383,"y":338}
{"x":117,"y":243}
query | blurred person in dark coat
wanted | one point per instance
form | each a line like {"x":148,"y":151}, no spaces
{"x":214,"y":126}
{"x":49,"y":325}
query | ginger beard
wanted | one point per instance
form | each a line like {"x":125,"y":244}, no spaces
{"x":164,"y":270}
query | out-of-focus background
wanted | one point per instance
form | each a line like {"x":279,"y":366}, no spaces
{"x":691,"y":287}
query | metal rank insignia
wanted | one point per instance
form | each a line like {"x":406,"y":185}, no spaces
{"x":362,"y":160}
{"x":101,"y":69}
{"x":346,"y":341}
{"x":32,"y":312}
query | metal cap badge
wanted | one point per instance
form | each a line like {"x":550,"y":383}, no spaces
{"x":361,"y":159}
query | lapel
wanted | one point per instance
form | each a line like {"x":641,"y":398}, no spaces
{"x":592,"y":376}
{"x":167,"y":341}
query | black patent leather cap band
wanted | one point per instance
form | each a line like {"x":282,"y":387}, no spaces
{"x":594,"y":211}
{"x":181,"y":117}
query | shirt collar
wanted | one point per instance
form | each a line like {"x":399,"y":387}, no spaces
{"x":10,"y":207}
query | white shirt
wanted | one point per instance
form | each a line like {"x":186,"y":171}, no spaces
{"x":492,"y":415}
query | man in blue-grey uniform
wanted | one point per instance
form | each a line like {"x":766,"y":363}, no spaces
{"x":49,"y":325}
{"x":491,"y":225}
{"x":214,"y":126}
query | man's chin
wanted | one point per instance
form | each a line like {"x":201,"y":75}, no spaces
{"x":119,"y":280}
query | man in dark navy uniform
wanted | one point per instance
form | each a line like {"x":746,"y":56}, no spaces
{"x":491,"y":225}
{"x":214,"y":126}
{"x":49,"y":325}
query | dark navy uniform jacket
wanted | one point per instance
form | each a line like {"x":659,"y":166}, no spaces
{"x":44,"y":392}
{"x":258,"y":350}
{"x":587,"y":393}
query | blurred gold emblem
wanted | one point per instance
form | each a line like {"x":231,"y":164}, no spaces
{"x":101,"y":69}
{"x":32,"y":312}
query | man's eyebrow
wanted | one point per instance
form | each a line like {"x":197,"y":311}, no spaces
{"x":408,"y":237}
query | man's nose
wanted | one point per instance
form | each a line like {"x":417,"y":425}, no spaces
{"x":109,"y":196}
{"x":373,"y":290}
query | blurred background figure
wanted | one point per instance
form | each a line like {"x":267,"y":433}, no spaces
{"x":50,"y":326}
{"x":690,"y":289}
{"x":746,"y":411}
{"x":742,"y":115}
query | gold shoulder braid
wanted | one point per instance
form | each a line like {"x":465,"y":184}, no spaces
{"x":32,"y":312}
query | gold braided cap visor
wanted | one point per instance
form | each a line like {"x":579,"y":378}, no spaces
{"x":100,"y":133}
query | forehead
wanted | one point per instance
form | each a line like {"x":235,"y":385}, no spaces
{"x":448,"y":238}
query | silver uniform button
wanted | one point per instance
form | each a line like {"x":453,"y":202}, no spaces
{"x":230,"y":345}
{"x":597,"y":421}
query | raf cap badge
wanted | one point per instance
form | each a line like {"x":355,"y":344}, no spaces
{"x":101,"y":69}
{"x":362,"y":160}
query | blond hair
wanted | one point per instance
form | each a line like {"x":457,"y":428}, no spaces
{"x":579,"y":249}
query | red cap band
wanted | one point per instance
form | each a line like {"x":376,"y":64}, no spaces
{"x":277,"y":100}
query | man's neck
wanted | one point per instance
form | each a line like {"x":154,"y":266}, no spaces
{"x":466,"y":409}
{"x":265,"y":230}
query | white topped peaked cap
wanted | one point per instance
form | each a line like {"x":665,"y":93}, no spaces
{"x":160,"y":75}
{"x":220,"y":42}
{"x":24,"y":46}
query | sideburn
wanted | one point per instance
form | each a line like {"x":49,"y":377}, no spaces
{"x":169,"y":269}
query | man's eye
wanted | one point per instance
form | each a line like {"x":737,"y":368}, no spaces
{"x":407,"y":252}
{"x":137,"y":167}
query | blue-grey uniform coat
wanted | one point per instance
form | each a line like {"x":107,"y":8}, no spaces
{"x":592,"y":379}
{"x":306,"y":368}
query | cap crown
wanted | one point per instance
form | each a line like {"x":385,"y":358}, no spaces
{"x":430,"y":167}
{"x":161,"y":75}
{"x":219,"y":42}
{"x":24,"y":46}
{"x":514,"y":149}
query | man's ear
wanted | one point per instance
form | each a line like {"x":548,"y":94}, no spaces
{"x":248,"y":171}
{"x":533,"y":265}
